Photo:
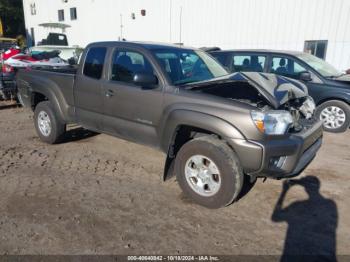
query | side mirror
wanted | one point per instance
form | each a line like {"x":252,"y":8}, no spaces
{"x":305,"y":76}
{"x":145,"y":80}
{"x":71,"y":61}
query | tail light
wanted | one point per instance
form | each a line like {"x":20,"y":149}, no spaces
{"x":7,"y":69}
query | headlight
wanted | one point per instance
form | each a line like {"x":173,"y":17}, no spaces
{"x":272,"y":122}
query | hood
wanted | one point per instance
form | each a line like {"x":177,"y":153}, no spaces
{"x":276,"y":89}
{"x":343,"y":78}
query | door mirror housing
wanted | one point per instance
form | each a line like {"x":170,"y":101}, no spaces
{"x":145,"y":80}
{"x":305,"y":76}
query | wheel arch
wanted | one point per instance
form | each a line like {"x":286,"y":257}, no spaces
{"x":183,"y":125}
{"x":46,"y":90}
{"x":326,"y":99}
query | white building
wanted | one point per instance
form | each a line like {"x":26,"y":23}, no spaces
{"x":320,"y":25}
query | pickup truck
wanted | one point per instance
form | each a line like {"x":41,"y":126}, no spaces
{"x":219,"y":131}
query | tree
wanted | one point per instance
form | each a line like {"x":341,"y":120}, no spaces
{"x":11,"y":15}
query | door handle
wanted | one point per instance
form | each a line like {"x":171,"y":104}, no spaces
{"x":109,"y":93}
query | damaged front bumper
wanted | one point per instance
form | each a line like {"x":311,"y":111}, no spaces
{"x":280,"y":158}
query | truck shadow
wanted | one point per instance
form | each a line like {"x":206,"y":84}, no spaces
{"x":312,"y":223}
{"x":9,"y":105}
{"x":247,"y":186}
{"x":78,"y":134}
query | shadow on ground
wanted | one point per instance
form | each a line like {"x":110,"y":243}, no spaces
{"x":8,"y":105}
{"x":312,"y":223}
{"x":77,"y":134}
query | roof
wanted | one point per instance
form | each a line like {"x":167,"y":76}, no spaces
{"x":7,"y":39}
{"x":148,"y":45}
{"x":55,"y":25}
{"x":290,"y":52}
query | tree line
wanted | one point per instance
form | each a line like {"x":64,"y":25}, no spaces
{"x":12,"y":17}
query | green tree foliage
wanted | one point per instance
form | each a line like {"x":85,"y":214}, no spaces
{"x":11,"y":15}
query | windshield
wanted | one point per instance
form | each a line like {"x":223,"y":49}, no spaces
{"x":320,"y":65}
{"x":188,"y":66}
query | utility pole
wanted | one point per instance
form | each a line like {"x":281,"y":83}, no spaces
{"x":121,"y":28}
{"x":170,"y":22}
{"x":180,"y":24}
{"x":1,"y":29}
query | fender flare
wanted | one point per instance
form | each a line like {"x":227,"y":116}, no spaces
{"x":178,"y":118}
{"x":53,"y":94}
{"x":199,"y":120}
{"x":342,"y":96}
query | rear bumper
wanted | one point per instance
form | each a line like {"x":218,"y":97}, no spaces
{"x":7,"y":82}
{"x":280,"y":158}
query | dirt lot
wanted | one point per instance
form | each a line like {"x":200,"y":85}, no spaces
{"x":101,"y":195}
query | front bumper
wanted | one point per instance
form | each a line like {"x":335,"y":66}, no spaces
{"x":280,"y":158}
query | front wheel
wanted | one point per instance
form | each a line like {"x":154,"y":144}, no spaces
{"x":335,"y":116}
{"x":209,"y":172}
{"x":48,"y":126}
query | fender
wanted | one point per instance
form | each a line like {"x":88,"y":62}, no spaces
{"x":53,"y":92}
{"x":199,"y":120}
{"x":343,"y":95}
{"x":196,"y":119}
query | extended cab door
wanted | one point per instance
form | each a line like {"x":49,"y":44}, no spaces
{"x":88,"y":96}
{"x":131,"y":111}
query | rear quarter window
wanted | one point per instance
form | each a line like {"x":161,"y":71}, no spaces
{"x":94,"y":62}
{"x":220,"y":57}
{"x":248,"y":63}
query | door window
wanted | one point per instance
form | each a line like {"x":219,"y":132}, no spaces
{"x":188,"y":66}
{"x":286,"y":67}
{"x":248,"y":63}
{"x":73,"y":13}
{"x":94,"y":61}
{"x":128,"y":63}
{"x":61,"y":15}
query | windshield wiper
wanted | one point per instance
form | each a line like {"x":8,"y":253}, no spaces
{"x":335,"y":76}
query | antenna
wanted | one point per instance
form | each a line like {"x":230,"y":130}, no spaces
{"x":121,"y":27}
{"x":180,"y":24}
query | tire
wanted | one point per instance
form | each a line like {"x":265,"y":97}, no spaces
{"x":329,"y":110}
{"x":54,"y":127}
{"x":19,"y":99}
{"x":3,"y":96}
{"x":230,"y":174}
{"x":246,"y":187}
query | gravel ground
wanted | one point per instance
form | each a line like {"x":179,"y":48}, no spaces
{"x":97,"y":194}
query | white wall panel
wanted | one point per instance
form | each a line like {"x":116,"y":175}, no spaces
{"x":275,"y":24}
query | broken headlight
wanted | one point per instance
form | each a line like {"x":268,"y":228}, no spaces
{"x":308,"y":108}
{"x":274,"y":122}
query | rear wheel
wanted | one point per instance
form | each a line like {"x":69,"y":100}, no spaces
{"x":48,"y":126}
{"x":209,"y":172}
{"x":19,"y":99}
{"x":335,"y":116}
{"x":3,"y":95}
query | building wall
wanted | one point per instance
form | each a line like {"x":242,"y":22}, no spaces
{"x":272,"y":24}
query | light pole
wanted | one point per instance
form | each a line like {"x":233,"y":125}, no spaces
{"x":121,"y":27}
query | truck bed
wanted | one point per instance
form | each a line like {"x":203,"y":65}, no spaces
{"x":56,"y":83}
{"x":64,"y":70}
